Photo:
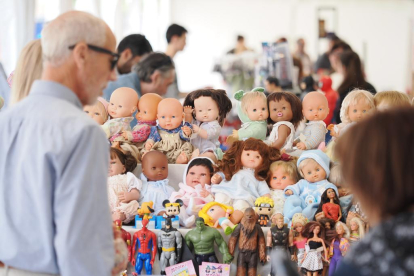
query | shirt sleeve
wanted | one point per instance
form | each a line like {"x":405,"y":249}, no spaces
{"x":182,"y":135}
{"x":81,"y":208}
{"x":316,"y":137}
{"x":154,"y":135}
{"x":295,"y":188}
{"x":133,"y":182}
{"x":213,"y":130}
{"x":262,"y":188}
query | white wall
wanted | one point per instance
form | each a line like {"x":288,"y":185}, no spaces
{"x":385,"y":27}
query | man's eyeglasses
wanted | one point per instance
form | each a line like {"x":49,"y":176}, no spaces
{"x":102,"y":50}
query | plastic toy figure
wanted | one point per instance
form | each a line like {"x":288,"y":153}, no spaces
{"x":172,"y":209}
{"x":329,"y":205}
{"x":339,"y":247}
{"x":145,"y":243}
{"x":171,"y":136}
{"x":145,"y":210}
{"x":278,"y":238}
{"x":298,"y":223}
{"x":315,"y":245}
{"x":126,"y":236}
{"x":215,"y":214}
{"x":202,"y":239}
{"x":253,"y":112}
{"x":169,"y":246}
{"x":357,"y":229}
{"x":252,"y":244}
{"x":206,"y":110}
{"x":264,"y":208}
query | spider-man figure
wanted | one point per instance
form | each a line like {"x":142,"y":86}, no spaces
{"x":147,"y":249}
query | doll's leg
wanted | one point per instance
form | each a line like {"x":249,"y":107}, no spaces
{"x":195,"y":153}
{"x":210,"y":155}
{"x":292,"y":206}
{"x":310,"y":210}
{"x":239,"y":206}
{"x":186,"y":220}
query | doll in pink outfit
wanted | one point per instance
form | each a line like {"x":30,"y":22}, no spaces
{"x":195,"y":190}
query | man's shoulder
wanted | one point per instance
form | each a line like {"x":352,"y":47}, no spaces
{"x":130,"y":80}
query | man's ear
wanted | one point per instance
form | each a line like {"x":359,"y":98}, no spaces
{"x":155,"y":77}
{"x":126,"y":54}
{"x":80,"y":54}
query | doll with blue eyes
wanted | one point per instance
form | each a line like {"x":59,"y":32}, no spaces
{"x":253,"y":112}
{"x":304,"y":196}
{"x":172,"y":135}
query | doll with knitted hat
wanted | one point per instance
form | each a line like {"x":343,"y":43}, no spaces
{"x":98,"y":112}
{"x":122,"y":105}
{"x":304,"y":196}
{"x":253,"y":112}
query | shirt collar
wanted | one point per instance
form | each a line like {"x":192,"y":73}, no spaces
{"x":55,"y":89}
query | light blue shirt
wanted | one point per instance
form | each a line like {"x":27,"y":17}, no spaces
{"x":54,"y":214}
{"x":155,"y":191}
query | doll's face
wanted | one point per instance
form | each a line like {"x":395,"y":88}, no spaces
{"x":264,"y":210}
{"x":298,"y":227}
{"x":198,"y":175}
{"x":354,"y":226}
{"x":358,"y":111}
{"x":257,"y":110}
{"x":155,"y":167}
{"x":316,"y":230}
{"x":279,"y":222}
{"x":280,"y":179}
{"x":123,"y":103}
{"x":327,"y":225}
{"x":313,"y":172}
{"x":96,"y":112}
{"x":115,"y":167}
{"x":147,"y":109}
{"x":251,"y":159}
{"x":170,"y":113}
{"x":280,"y":111}
{"x":216,"y":212}
{"x":339,"y":229}
{"x":330,"y":193}
{"x":315,"y":107}
{"x":206,"y":109}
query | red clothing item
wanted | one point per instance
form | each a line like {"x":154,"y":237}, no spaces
{"x":331,"y":210}
{"x":331,"y":95}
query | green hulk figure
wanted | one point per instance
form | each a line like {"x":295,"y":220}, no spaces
{"x":202,"y":239}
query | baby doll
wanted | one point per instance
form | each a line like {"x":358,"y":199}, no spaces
{"x":253,"y":112}
{"x":298,"y":223}
{"x":282,"y":173}
{"x":304,"y":196}
{"x":285,"y":115}
{"x":172,"y":135}
{"x":98,"y":112}
{"x":356,"y":106}
{"x":339,"y":247}
{"x":123,"y":187}
{"x":329,"y":205}
{"x":122,"y":105}
{"x":315,"y":109}
{"x":215,"y":214}
{"x":314,"y":247}
{"x":146,"y":118}
{"x":244,"y":167}
{"x":357,"y":229}
{"x":390,"y":99}
{"x":155,"y":186}
{"x":195,"y":190}
{"x":206,"y":110}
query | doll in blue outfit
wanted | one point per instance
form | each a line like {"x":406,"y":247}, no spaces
{"x":171,"y":136}
{"x":155,"y":186}
{"x":304,"y":197}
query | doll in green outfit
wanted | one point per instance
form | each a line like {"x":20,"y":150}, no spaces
{"x":253,"y":112}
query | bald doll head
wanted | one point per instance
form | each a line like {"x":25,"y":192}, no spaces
{"x":315,"y":106}
{"x":148,"y":106}
{"x":123,"y":103}
{"x":155,"y":166}
{"x":170,"y":113}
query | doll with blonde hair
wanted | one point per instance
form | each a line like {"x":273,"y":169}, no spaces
{"x":217,"y":214}
{"x":282,"y":173}
{"x":98,"y":112}
{"x":298,"y":224}
{"x":339,"y":246}
{"x":253,"y":112}
{"x":357,"y":229}
{"x":389,"y":99}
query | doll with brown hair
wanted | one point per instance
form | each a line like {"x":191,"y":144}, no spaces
{"x":285,"y":115}
{"x":244,"y":168}
{"x":122,"y":105}
{"x":282,"y":173}
{"x":391,"y":99}
{"x":298,"y":224}
{"x":329,"y":205}
{"x":123,"y":187}
{"x":315,"y":245}
{"x":253,"y":112}
{"x":98,"y":112}
{"x":206,"y":110}
{"x":171,"y":136}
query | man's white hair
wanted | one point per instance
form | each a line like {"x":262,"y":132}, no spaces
{"x":68,"y":30}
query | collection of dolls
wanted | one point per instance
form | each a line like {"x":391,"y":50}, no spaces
{"x":271,"y":165}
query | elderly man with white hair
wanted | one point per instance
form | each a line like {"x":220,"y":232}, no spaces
{"x":54,"y":215}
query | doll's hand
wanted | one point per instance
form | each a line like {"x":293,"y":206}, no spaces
{"x":288,"y":192}
{"x":204,"y":193}
{"x":235,"y":134}
{"x":301,"y":146}
{"x":330,"y":127}
{"x":188,"y":110}
{"x":125,"y":197}
{"x":186,"y":130}
{"x":319,"y":215}
{"x":216,"y":179}
{"x":148,"y":145}
{"x":196,"y":128}
{"x":294,"y":258}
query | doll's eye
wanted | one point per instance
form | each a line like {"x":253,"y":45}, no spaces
{"x":112,"y":103}
{"x":364,"y":111}
{"x":191,"y":173}
{"x":269,"y":209}
{"x":284,"y":177}
{"x":153,"y":168}
{"x":248,"y":154}
{"x":163,"y":168}
{"x":274,"y":178}
{"x":203,"y":174}
{"x":260,"y":209}
{"x":209,"y":110}
{"x":309,"y":172}
{"x":254,"y":110}
{"x":87,"y":112}
{"x":284,"y":108}
{"x":274,"y":109}
{"x":200,"y":110}
{"x":263,"y":109}
{"x":97,"y":113}
{"x":145,"y":112}
{"x":310,"y":109}
{"x":163,"y":117}
{"x":355,"y":110}
{"x":211,"y":210}
{"x":173,"y":117}
{"x":120,"y":106}
{"x":258,"y":157}
{"x":320,"y":109}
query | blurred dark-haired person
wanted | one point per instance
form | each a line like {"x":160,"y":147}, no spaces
{"x":177,"y":39}
{"x":131,"y":50}
{"x":377,"y":157}
{"x":272,"y":85}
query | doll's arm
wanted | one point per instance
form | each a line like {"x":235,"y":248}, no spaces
{"x":340,"y":213}
{"x":148,"y":144}
{"x":316,"y":137}
{"x":268,"y":244}
{"x":283,"y":132}
{"x":154,"y":135}
{"x":263,"y":189}
{"x":295,"y":189}
{"x":324,"y":250}
{"x":188,"y":113}
{"x":216,"y":224}
{"x":185,"y":132}
{"x":217,"y":178}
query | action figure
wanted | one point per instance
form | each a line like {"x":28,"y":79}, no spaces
{"x":251,"y":244}
{"x":172,"y":209}
{"x":264,"y":208}
{"x":145,"y":210}
{"x":202,"y":239}
{"x":169,"y":245}
{"x":126,"y":236}
{"x":147,"y":249}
